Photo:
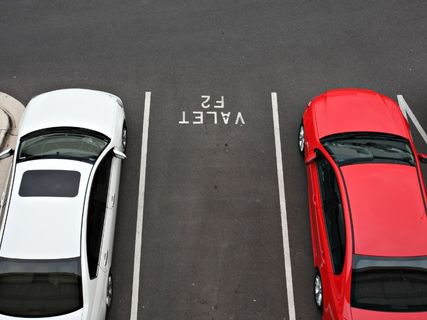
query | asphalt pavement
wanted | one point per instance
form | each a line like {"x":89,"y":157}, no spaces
{"x":212,"y":243}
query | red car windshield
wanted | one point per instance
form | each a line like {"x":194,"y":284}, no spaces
{"x":367,"y":147}
{"x":389,"y":284}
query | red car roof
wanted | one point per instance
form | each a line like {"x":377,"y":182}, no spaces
{"x":357,"y":110}
{"x":387,"y":208}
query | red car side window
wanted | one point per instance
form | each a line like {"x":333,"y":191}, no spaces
{"x":333,"y":213}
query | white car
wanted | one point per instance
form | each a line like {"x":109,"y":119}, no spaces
{"x":57,"y":224}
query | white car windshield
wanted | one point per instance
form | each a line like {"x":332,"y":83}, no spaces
{"x":40,"y":288}
{"x":62,"y":143}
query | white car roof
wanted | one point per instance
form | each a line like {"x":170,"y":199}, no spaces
{"x":45,"y":227}
{"x":83,"y":108}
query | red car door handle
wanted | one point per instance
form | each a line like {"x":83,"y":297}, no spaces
{"x":314,"y":201}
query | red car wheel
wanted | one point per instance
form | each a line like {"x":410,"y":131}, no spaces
{"x":301,"y":140}
{"x":318,"y":291}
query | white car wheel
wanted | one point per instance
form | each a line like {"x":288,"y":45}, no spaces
{"x":109,"y":296}
{"x":124,"y":137}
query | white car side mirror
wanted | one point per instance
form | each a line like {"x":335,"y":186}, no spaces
{"x":6,"y":153}
{"x":117,"y":154}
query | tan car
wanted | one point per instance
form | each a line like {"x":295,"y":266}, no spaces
{"x":10,"y":116}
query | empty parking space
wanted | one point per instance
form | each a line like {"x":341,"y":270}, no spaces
{"x":212,"y":238}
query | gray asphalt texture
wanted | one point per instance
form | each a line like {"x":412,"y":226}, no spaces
{"x":212,"y":242}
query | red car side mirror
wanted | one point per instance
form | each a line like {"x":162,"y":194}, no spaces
{"x":422,"y":157}
{"x":310,"y":157}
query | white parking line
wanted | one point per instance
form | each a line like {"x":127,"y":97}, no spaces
{"x":140,"y":213}
{"x":283,"y":215}
{"x":408,"y":112}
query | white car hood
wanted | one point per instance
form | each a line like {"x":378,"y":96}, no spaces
{"x":90,"y":109}
{"x":76,"y":315}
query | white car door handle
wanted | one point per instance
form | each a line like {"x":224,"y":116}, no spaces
{"x":112,"y":200}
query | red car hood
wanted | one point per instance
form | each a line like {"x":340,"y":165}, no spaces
{"x":356,"y":110}
{"x":361,"y":314}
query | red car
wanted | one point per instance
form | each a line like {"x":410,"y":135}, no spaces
{"x":367,"y":205}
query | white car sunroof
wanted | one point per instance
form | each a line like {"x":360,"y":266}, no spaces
{"x":49,"y":183}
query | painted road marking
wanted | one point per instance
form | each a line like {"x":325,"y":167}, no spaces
{"x":408,"y":112}
{"x":283,"y":214}
{"x":213,"y":116}
{"x":140,"y":213}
